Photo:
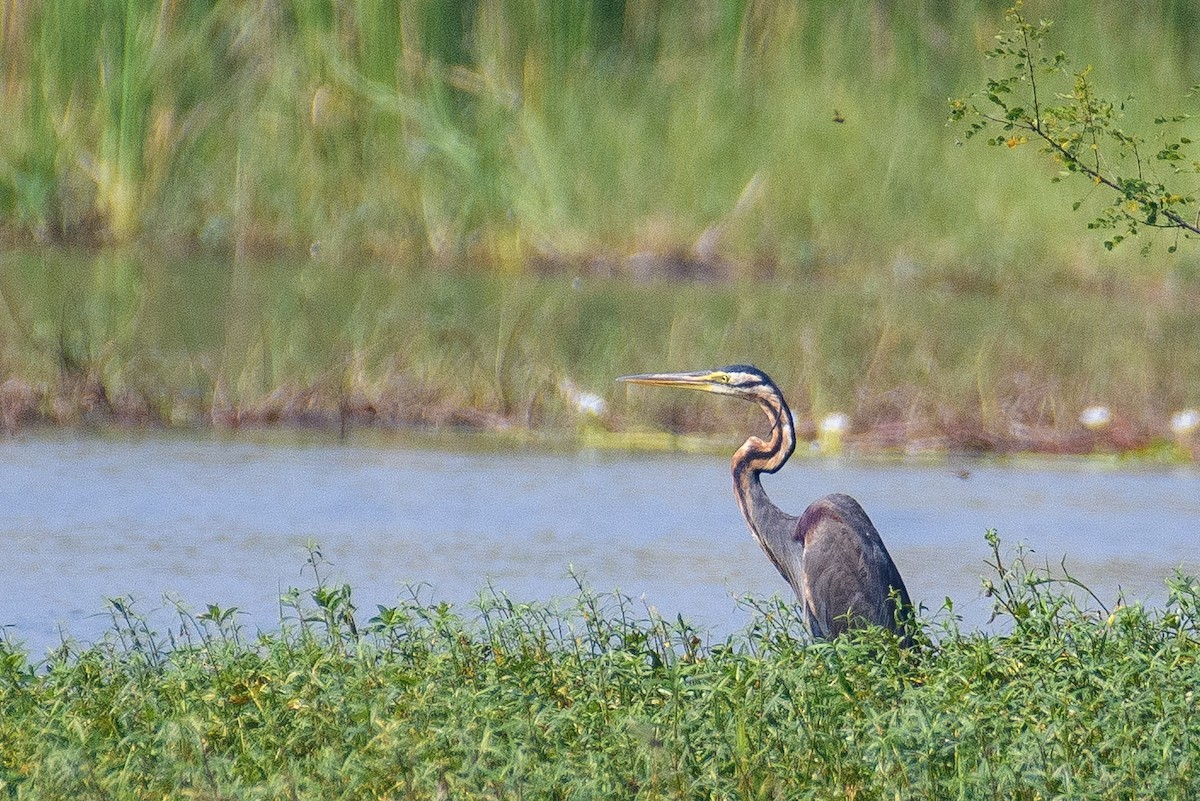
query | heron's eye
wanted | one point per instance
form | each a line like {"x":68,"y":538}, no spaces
{"x":723,"y":378}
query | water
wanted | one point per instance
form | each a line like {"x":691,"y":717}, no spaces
{"x":226,"y":522}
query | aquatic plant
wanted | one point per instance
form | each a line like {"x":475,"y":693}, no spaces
{"x":727,"y":138}
{"x":123,"y":339}
{"x":593,"y":696}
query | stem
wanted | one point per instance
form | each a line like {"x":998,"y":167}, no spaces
{"x":1094,"y":173}
{"x":1037,"y":112}
{"x":1082,"y":102}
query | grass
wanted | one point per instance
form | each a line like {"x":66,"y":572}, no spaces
{"x":318,"y":214}
{"x":140,"y":340}
{"x":571,"y":136}
{"x":589,"y":697}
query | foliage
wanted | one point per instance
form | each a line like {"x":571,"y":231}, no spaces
{"x":588,"y":697}
{"x":136,"y":341}
{"x":1058,"y":105}
{"x":754,"y":138}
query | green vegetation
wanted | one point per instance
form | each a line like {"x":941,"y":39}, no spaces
{"x":136,"y":341}
{"x":755,"y":138}
{"x":319,"y":214}
{"x":409,"y":212}
{"x":1152,"y":178}
{"x":590,"y":698}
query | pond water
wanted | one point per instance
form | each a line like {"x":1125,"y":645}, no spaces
{"x":226,"y":522}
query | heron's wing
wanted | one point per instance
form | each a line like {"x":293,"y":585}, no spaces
{"x":847,"y":575}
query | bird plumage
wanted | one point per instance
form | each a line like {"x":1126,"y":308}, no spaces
{"x":831,"y":555}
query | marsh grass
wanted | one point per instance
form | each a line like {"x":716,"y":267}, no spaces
{"x":135,"y":340}
{"x":570,"y":135}
{"x":670,"y":177}
{"x":593,"y":696}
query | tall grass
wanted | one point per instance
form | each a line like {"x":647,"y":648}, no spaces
{"x":192,"y":343}
{"x":572,"y":134}
{"x":593,"y":697}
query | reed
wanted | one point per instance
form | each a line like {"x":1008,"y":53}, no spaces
{"x":191,"y":343}
{"x":759,"y":137}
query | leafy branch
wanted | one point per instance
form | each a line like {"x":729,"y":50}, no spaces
{"x":1080,"y":130}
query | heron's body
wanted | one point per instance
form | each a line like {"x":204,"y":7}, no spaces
{"x":831,"y":555}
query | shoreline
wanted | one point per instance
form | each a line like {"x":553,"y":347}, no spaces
{"x":88,"y":408}
{"x":94,"y":341}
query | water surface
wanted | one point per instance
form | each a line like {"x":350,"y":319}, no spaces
{"x":226,"y":522}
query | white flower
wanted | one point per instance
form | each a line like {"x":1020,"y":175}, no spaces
{"x":1095,"y":417}
{"x":1185,"y":422}
{"x":834,"y":423}
{"x":584,"y":402}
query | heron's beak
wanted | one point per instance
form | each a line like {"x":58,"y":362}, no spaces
{"x":701,"y":379}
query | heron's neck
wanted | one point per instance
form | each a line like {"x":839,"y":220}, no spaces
{"x":756,"y":457}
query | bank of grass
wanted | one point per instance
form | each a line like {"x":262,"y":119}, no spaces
{"x":335,"y":200}
{"x":728,"y":136}
{"x":593,"y":697}
{"x":914,"y":363}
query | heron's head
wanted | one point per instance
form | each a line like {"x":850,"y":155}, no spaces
{"x":739,"y":380}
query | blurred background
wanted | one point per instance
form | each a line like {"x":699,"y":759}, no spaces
{"x":373,"y":226}
{"x":476,"y":213}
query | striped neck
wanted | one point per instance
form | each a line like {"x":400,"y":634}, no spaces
{"x":756,"y":457}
